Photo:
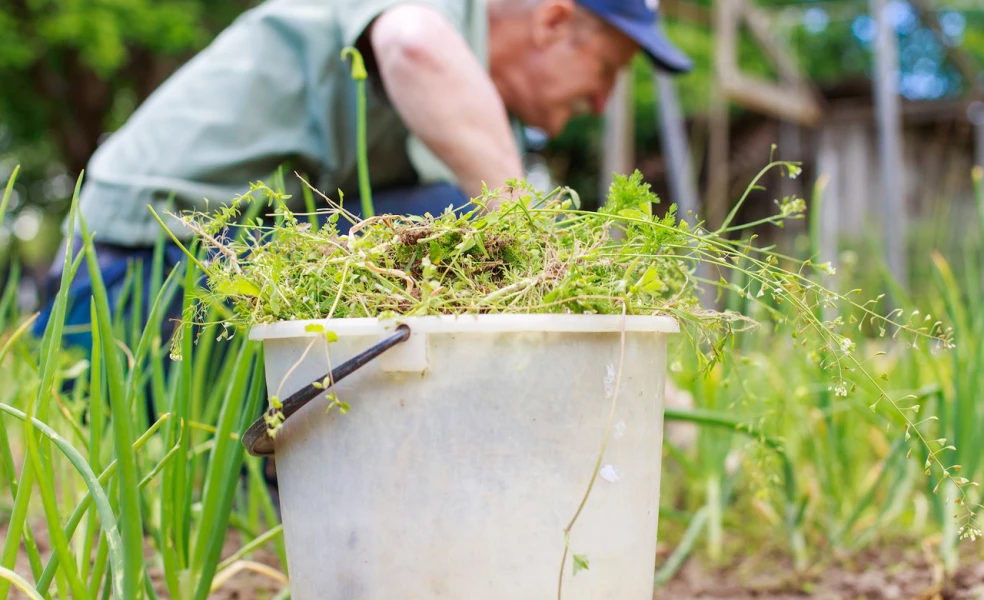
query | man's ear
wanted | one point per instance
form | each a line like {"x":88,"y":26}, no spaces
{"x":552,"y":22}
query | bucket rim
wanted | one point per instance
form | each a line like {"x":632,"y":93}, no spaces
{"x":487,"y":323}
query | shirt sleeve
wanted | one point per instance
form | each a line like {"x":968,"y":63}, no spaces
{"x":360,"y":14}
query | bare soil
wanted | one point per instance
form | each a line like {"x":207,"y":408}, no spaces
{"x":903,"y":570}
{"x":907,"y":570}
{"x":245,"y":584}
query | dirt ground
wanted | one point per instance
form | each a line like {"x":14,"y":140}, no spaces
{"x":245,"y":584}
{"x":885,"y":573}
{"x":895,"y":571}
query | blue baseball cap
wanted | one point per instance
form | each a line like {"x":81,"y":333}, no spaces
{"x":637,"y":19}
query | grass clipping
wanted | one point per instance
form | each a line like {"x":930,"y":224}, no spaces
{"x":537,"y":254}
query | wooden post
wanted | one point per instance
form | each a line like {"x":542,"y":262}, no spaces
{"x":890,"y":142}
{"x":979,"y":143}
{"x":674,"y":142}
{"x":618,"y":154}
{"x":725,"y":17}
{"x":682,"y":187}
{"x":975,"y":112}
{"x":798,"y":101}
{"x":856,"y":180}
{"x":790,"y":147}
{"x":827,"y":212}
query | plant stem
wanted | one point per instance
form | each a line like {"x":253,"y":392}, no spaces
{"x":309,"y":206}
{"x":359,"y":74}
{"x":246,"y":549}
{"x":83,"y":506}
{"x":178,"y":243}
{"x":8,"y":192}
{"x":131,"y":519}
{"x":977,"y":175}
{"x":751,"y":186}
{"x":601,"y":452}
{"x":680,"y":553}
{"x":717,"y":419}
{"x":20,"y":583}
{"x":96,"y":493}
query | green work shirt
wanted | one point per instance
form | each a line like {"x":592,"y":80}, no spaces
{"x":272,"y":87}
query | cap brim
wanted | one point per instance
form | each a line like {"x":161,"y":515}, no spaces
{"x":659,"y":49}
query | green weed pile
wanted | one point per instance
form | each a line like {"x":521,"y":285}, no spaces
{"x":537,"y":256}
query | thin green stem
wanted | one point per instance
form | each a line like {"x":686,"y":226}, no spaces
{"x":748,"y":190}
{"x":601,"y":453}
{"x":683,"y":549}
{"x":96,"y":494}
{"x":86,"y":502}
{"x":20,"y":583}
{"x":130,"y":515}
{"x":177,"y":242}
{"x":8,"y":192}
{"x":247,"y":548}
{"x":360,"y":75}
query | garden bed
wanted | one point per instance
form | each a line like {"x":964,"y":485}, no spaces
{"x":895,"y":570}
{"x":898,"y":569}
{"x":246,"y":584}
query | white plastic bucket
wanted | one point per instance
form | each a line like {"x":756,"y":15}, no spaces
{"x":465,"y":454}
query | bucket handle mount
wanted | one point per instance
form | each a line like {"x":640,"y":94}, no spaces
{"x":256,"y":439}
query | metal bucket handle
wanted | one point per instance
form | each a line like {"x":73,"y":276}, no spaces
{"x":256,"y":439}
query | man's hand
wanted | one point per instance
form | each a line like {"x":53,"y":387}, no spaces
{"x":445,"y":97}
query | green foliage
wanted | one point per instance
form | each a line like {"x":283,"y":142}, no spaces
{"x":45,"y":41}
{"x":167,"y":494}
{"x":858,"y":478}
{"x":99,"y":31}
{"x":6,"y":194}
{"x":580,"y":563}
{"x":359,"y":75}
{"x":106,"y":32}
{"x":545,"y":258}
{"x":536,"y":253}
{"x":178,"y":479}
{"x":73,"y":71}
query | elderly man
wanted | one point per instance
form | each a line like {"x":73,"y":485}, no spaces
{"x":449,"y":83}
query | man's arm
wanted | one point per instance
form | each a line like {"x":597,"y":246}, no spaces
{"x":445,"y":97}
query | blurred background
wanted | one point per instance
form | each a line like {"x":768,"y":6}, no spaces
{"x":885,"y":123}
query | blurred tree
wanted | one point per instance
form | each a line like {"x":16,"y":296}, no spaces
{"x":74,"y":69}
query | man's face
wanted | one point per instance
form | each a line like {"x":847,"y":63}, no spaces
{"x":573,"y":68}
